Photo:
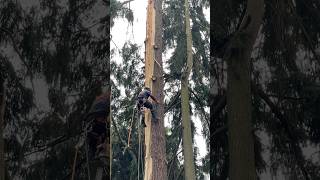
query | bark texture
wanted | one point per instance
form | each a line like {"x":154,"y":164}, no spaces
{"x":189,"y":173}
{"x":241,"y":144}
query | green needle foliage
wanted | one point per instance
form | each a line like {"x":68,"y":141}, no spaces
{"x":55,"y":61}
{"x":284,"y":80}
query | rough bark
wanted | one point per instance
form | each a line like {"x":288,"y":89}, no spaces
{"x":155,"y":158}
{"x":241,"y":144}
{"x":189,"y":173}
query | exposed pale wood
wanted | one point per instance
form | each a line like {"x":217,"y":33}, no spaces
{"x":149,"y":64}
{"x":155,"y":151}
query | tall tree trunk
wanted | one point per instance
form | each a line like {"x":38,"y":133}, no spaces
{"x":155,"y":158}
{"x":109,"y":140}
{"x":189,"y":173}
{"x":241,"y":145}
{"x":2,"y":110}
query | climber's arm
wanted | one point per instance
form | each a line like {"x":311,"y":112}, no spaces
{"x":153,"y":98}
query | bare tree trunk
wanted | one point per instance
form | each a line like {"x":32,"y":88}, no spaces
{"x":109,"y":143}
{"x":241,"y":145}
{"x":155,"y":158}
{"x":189,"y":173}
{"x":108,"y":137}
{"x":2,"y":110}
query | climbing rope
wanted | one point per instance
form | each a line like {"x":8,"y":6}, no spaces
{"x":142,"y":164}
{"x":130,"y":129}
{"x":87,"y":152}
{"x":140,"y":150}
{"x":74,"y":163}
{"x":139,"y":142}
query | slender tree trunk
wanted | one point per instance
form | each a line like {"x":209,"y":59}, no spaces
{"x":2,"y":110}
{"x":189,"y":173}
{"x":155,"y":158}
{"x":109,"y":140}
{"x":241,"y":145}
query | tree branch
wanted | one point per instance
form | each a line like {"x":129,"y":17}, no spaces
{"x":219,"y":130}
{"x":305,"y":33}
{"x":15,"y":47}
{"x":118,"y":134}
{"x":202,"y":107}
{"x":285,"y":124}
{"x":215,"y":111}
{"x":219,"y":107}
{"x":173,"y":160}
{"x":126,"y":2}
{"x":50,"y":144}
{"x":173,"y":103}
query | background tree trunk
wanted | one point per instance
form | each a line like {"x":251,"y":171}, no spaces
{"x":189,"y":173}
{"x":241,"y":145}
{"x":2,"y":110}
{"x":155,"y":158}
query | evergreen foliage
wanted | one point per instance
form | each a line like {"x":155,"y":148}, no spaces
{"x":285,"y":82}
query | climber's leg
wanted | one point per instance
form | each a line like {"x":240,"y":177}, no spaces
{"x":140,"y":112}
{"x":152,"y":108}
{"x":142,"y":120}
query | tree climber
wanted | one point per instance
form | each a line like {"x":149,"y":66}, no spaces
{"x":98,"y":113}
{"x":144,"y":102}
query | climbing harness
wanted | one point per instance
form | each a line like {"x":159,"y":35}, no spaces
{"x":140,"y":108}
